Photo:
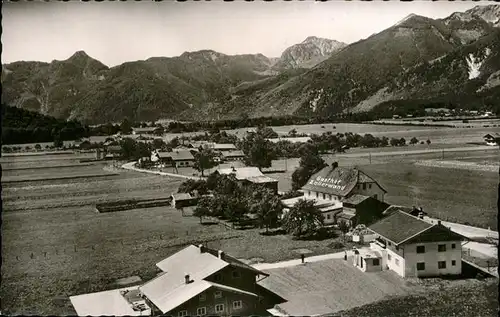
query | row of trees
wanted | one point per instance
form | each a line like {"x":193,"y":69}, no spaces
{"x":22,"y":126}
{"x":235,"y":202}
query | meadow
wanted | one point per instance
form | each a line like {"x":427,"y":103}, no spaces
{"x":56,"y":245}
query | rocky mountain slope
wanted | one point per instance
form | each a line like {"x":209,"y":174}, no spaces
{"x":455,"y":58}
{"x":312,"y":51}
{"x":360,"y":76}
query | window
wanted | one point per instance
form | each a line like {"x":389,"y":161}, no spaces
{"x":376,"y":262}
{"x":317,"y":195}
{"x":420,"y":266}
{"x":389,"y":243}
{"x":442,"y":248}
{"x":183,"y":313}
{"x":218,"y":277}
{"x":237,"y":304}
{"x":389,"y":257}
{"x":218,"y":294}
{"x":369,"y":186}
{"x":236,"y":274}
{"x":201,"y":311}
{"x":453,"y":245}
{"x":453,"y":262}
{"x":328,"y":216}
{"x":397,"y":262}
{"x":323,"y":196}
{"x":219,"y":308}
{"x":442,"y":265}
{"x":420,"y":249}
{"x":375,"y":196}
{"x":203,"y":297}
{"x":364,"y":185}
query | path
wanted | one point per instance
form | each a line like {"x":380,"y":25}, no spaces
{"x":130,"y":166}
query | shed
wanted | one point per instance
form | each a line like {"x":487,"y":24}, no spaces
{"x":367,"y":260}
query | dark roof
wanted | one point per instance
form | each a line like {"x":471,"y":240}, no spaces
{"x":355,"y":199}
{"x":437,"y":233}
{"x":338,"y":181}
{"x":399,"y":226}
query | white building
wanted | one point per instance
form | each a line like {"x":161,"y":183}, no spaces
{"x":414,"y":248}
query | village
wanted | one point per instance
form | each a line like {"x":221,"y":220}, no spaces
{"x":381,"y":245}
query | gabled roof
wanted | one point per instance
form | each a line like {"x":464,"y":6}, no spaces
{"x":241,"y":172}
{"x":233,"y":154}
{"x":261,"y":179}
{"x":114,"y":148}
{"x":177,"y":155}
{"x":182,"y":196}
{"x":338,"y":181}
{"x":170,"y":290}
{"x":224,"y":146}
{"x":399,"y":226}
{"x":355,"y":199}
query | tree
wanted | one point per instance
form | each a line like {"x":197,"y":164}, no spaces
{"x":292,"y":133}
{"x":428,"y":142}
{"x":201,"y":211}
{"x":204,"y":159}
{"x":258,"y":151}
{"x":38,"y":147}
{"x":266,"y":132}
{"x":414,"y":140}
{"x":304,"y":218}
{"x":58,"y":143}
{"x":126,"y":126}
{"x":344,"y":228}
{"x":402,"y":142}
{"x":310,"y":164}
{"x":394,"y":142}
{"x":158,"y":144}
{"x":265,"y":205}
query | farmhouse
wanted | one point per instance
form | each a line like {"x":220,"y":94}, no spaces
{"x":490,"y":139}
{"x":361,"y":209}
{"x":338,"y":183}
{"x":112,"y":151}
{"x":179,"y":158}
{"x":328,"y":208}
{"x":414,"y":248}
{"x":343,"y":194}
{"x":195,"y":281}
{"x":233,"y":155}
{"x":180,"y":200}
{"x":250,"y":175}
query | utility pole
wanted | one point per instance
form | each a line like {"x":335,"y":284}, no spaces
{"x":442,"y":156}
{"x":370,"y":156}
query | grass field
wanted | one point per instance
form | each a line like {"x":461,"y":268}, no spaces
{"x":452,"y":194}
{"x":480,"y":299}
{"x":45,"y":221}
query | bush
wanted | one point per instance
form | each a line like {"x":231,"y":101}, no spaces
{"x":336,"y":245}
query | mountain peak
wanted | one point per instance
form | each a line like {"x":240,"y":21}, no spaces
{"x":79,"y":54}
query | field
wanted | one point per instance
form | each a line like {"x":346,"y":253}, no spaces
{"x":452,"y":194}
{"x":481,"y":300}
{"x":56,"y":245}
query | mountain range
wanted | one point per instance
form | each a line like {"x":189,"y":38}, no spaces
{"x":454,"y":60}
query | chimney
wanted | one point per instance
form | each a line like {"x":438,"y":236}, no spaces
{"x":202,"y":248}
{"x":335,"y":165}
{"x":220,"y":254}
{"x":186,"y":279}
{"x":439,"y":222}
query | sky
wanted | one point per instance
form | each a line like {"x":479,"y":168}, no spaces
{"x":117,"y":32}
